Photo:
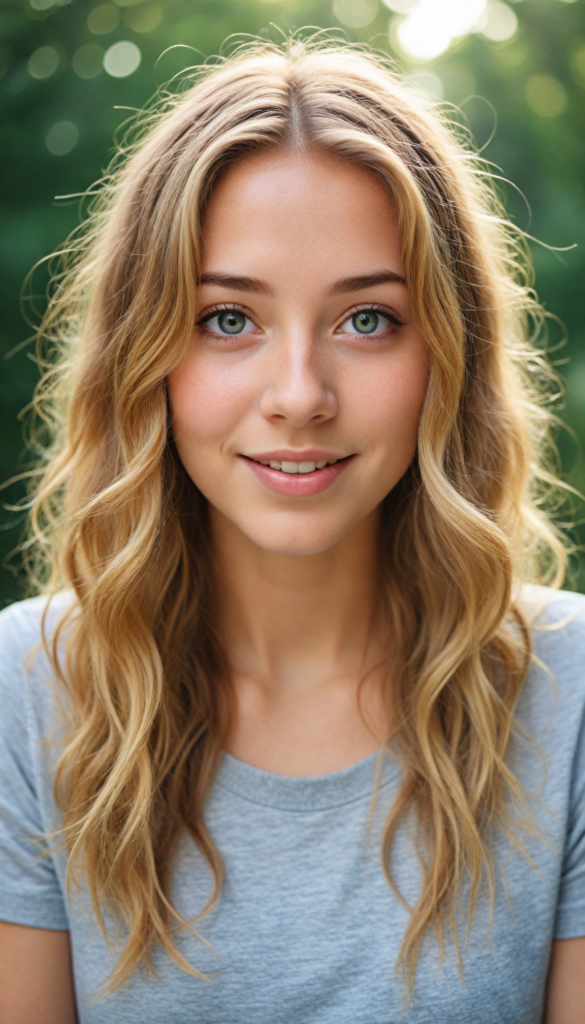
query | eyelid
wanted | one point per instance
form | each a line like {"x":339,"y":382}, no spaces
{"x":376,"y":307}
{"x":223,"y":307}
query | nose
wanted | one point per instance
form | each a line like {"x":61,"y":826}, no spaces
{"x":298,"y":389}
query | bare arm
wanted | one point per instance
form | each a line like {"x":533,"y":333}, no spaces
{"x":566,"y":983}
{"x":36,"y":980}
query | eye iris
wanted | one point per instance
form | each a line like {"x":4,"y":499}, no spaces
{"x":365,"y":322}
{"x":231,"y":322}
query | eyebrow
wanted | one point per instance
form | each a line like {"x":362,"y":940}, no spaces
{"x":355,"y":284}
{"x":239,"y":284}
{"x":346,"y":284}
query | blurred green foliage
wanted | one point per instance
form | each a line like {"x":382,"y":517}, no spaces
{"x":61,"y":109}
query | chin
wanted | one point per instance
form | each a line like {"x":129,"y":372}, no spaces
{"x":296,"y":540}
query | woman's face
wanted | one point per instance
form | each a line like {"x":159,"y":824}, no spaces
{"x":295,"y":410}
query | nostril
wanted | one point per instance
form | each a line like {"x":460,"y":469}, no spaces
{"x":298,"y":402}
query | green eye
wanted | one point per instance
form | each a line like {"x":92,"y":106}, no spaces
{"x":231,"y":322}
{"x":365,"y":322}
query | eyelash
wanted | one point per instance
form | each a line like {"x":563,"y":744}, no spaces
{"x":221,"y":307}
{"x":226,"y":306}
{"x":373,"y":308}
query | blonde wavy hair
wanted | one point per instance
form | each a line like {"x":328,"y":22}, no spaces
{"x":116,"y":519}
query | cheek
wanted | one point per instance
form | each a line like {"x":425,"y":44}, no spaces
{"x":390,"y":400}
{"x":205,"y":404}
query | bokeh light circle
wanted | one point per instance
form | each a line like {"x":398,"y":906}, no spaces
{"x":501,"y":22}
{"x":122,"y":59}
{"x":61,"y":138}
{"x":401,"y":6}
{"x":103,"y":19}
{"x":428,"y":31}
{"x":143,"y":17}
{"x":545,"y":95}
{"x":428,"y":83}
{"x":355,"y":13}
{"x":43,"y":62}
{"x":88,"y":60}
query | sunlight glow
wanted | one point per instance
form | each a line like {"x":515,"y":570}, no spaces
{"x":430,"y":28}
{"x":401,"y":6}
{"x":355,"y":13}
{"x":499,"y":22}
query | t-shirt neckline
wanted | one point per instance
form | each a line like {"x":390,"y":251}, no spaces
{"x":307,"y":793}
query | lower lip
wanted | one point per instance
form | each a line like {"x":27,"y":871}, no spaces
{"x":298,"y":485}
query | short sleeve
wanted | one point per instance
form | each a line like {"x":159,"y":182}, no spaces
{"x":30,"y":892}
{"x":570,"y":916}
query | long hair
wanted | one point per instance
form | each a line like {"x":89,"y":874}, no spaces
{"x":116,"y":519}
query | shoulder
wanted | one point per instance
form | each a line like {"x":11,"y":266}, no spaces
{"x":549,"y":605}
{"x":21,"y":622}
{"x":21,"y":625}
{"x":557,"y":623}
{"x":30,"y":890}
{"x":24,"y":667}
{"x":552,"y":703}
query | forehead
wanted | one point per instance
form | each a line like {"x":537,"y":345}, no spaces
{"x":279,"y":206}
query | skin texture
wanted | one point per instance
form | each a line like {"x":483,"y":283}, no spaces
{"x":36,"y":981}
{"x":566,"y":983}
{"x":297,"y":575}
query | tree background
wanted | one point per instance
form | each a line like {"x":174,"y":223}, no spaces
{"x":70,"y":70}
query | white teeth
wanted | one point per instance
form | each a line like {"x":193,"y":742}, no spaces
{"x":298,"y":467}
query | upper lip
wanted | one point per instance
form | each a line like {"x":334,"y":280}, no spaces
{"x":290,"y":455}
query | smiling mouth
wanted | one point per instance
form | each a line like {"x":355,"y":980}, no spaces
{"x":299,"y":467}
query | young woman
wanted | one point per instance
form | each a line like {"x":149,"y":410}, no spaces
{"x":290,"y":734}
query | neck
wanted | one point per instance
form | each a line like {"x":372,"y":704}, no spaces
{"x":297,"y":620}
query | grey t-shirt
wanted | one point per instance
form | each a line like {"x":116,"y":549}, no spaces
{"x":307,"y":930}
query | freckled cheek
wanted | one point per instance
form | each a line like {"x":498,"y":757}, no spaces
{"x":206,"y":405}
{"x":389,"y":402}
